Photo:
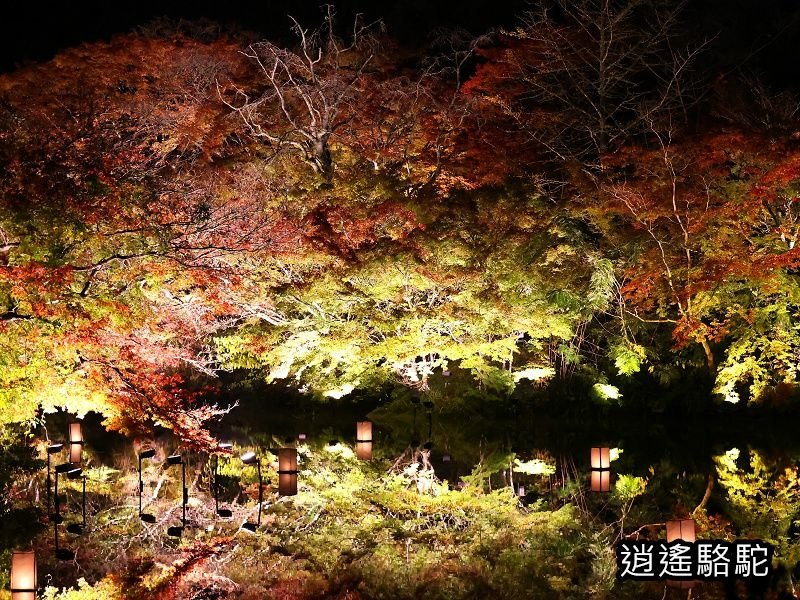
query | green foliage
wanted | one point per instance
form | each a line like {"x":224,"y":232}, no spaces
{"x":486,"y":467}
{"x":628,"y":487}
{"x":606,"y":393}
{"x":533,"y":467}
{"x":401,"y":318}
{"x":763,"y":354}
{"x":104,"y":590}
{"x":762,"y":497}
{"x":627,"y":357}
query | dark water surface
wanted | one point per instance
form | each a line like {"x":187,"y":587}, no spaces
{"x":674,"y":452}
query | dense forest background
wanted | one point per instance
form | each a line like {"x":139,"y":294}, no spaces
{"x":519,"y":235}
{"x":596,"y":192}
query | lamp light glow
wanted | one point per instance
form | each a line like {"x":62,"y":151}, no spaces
{"x":364,"y":440}
{"x":681,"y":529}
{"x":601,"y":480}
{"x":75,"y":433}
{"x":287,"y":460}
{"x":601,"y":458}
{"x":364,"y":450}
{"x":76,"y":453}
{"x":364,"y":431}
{"x":287,"y":471}
{"x":75,"y":437}
{"x":23,"y":575}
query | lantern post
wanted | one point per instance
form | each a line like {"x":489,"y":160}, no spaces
{"x":51,"y":449}
{"x":62,"y":468}
{"x":76,"y":528}
{"x":177,"y":459}
{"x":145,"y":454}
{"x":221,"y":512}
{"x":250,"y":458}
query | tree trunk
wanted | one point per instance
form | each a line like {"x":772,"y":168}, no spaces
{"x":709,"y":355}
{"x":707,"y":494}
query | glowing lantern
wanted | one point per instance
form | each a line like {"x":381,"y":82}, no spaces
{"x":75,"y":443}
{"x":601,"y":458}
{"x":364,"y":431}
{"x":23,"y":575}
{"x":364,"y":450}
{"x":601,"y":480}
{"x":364,"y":440}
{"x":75,"y":433}
{"x":287,"y":471}
{"x":75,"y":453}
{"x":681,"y":529}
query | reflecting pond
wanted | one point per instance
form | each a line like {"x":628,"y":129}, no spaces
{"x":735,"y":473}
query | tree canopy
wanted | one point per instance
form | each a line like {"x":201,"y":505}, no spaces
{"x":344,"y":213}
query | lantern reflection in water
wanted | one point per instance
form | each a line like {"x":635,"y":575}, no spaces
{"x":287,"y":471}
{"x":681,"y":530}
{"x":364,"y":440}
{"x":601,"y":480}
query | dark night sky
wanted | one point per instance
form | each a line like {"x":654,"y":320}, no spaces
{"x":35,"y":33}
{"x":764,"y":34}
